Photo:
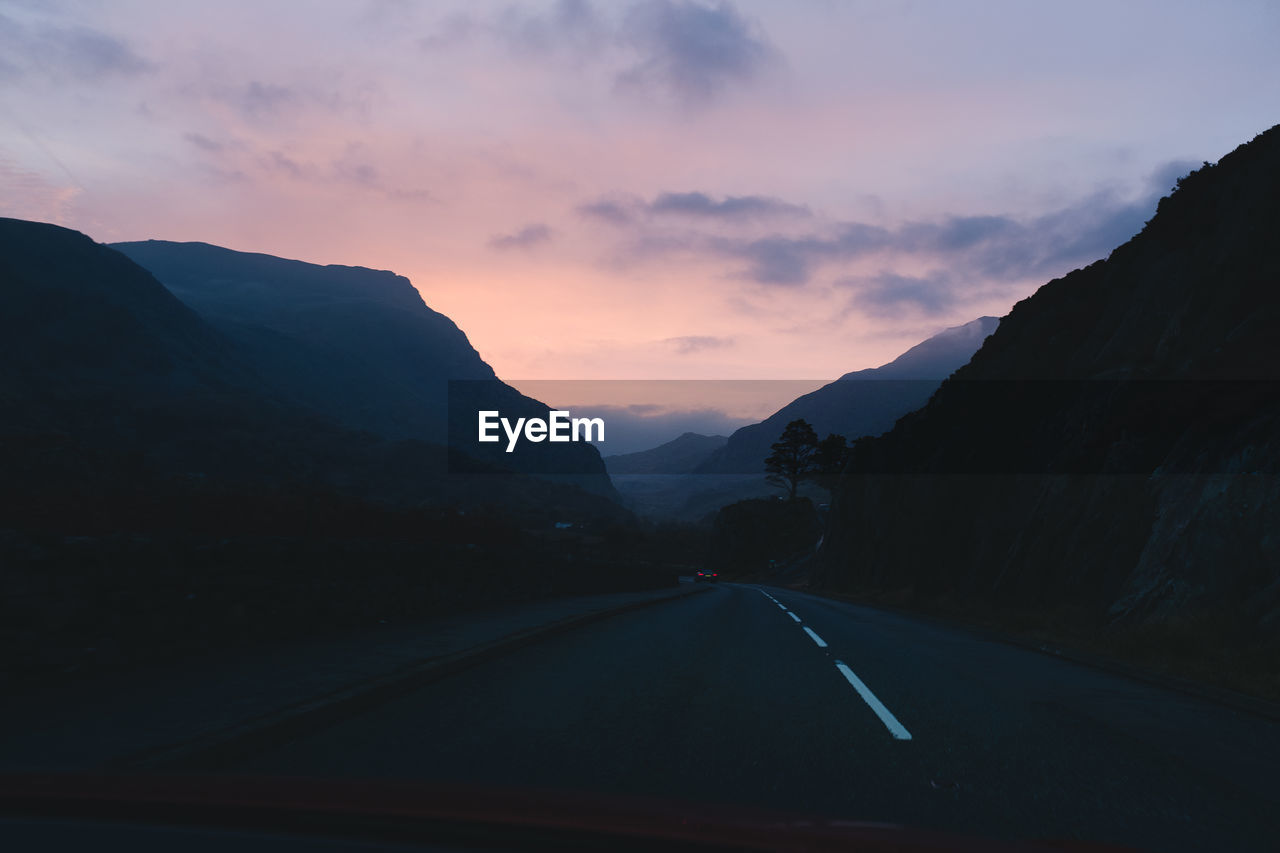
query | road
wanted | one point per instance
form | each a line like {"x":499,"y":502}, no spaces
{"x":764,"y":697}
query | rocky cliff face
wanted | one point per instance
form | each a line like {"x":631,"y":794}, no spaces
{"x":1115,"y":444}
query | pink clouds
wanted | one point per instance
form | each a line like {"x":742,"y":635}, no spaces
{"x":603,"y":190}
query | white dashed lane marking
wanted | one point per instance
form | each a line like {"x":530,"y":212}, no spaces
{"x":886,"y":716}
{"x":822,"y":644}
{"x":895,"y":728}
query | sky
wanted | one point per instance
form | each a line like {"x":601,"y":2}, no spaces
{"x":645,"y":189}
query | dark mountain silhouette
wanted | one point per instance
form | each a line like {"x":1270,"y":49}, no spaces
{"x":111,"y":385}
{"x":859,"y":403}
{"x":936,"y":357}
{"x":864,"y":402}
{"x":1114,"y":446}
{"x":98,"y":357}
{"x":678,"y":456}
{"x":166,"y":490}
{"x":75,"y":306}
{"x":361,"y":347}
{"x":354,"y":343}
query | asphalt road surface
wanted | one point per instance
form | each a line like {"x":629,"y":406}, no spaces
{"x":764,"y":697}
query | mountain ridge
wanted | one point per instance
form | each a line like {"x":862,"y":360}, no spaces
{"x":932,"y":355}
{"x":863,"y":402}
{"x":1123,"y":423}
{"x":681,"y":455}
{"x":362,"y":347}
{"x":114,"y":385}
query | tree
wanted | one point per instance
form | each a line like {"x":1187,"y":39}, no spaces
{"x":791,"y":462}
{"x":829,"y":460}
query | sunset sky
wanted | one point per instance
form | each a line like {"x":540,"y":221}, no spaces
{"x":651,"y":189}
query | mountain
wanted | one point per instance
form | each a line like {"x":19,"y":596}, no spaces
{"x":98,"y":359}
{"x":861,"y":403}
{"x":361,"y":347}
{"x":934,"y":358}
{"x":76,"y":307}
{"x":1114,"y":446}
{"x":162,"y":495}
{"x":116,"y":396}
{"x":678,"y":456}
{"x":356,"y":344}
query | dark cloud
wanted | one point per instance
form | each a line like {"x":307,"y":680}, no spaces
{"x":954,"y":233}
{"x":981,"y":255}
{"x":411,"y":195}
{"x":990,"y":248}
{"x":352,"y":170}
{"x":731,"y":207}
{"x":278,"y":161}
{"x":365,"y":174}
{"x":614,"y":212}
{"x":889,"y":294}
{"x":1077,"y":234}
{"x":624,"y":210}
{"x":203,"y":142}
{"x":221,"y":175}
{"x":680,"y":49}
{"x":526,"y":237}
{"x":453,"y":30}
{"x":267,"y":103}
{"x":1164,"y":180}
{"x":788,"y":260}
{"x":258,"y":100}
{"x":1073,"y":236}
{"x":687,"y":344}
{"x":776,"y":260}
{"x":1085,"y":231}
{"x":91,"y":54}
{"x":67,"y":52}
{"x":571,"y":28}
{"x":355,"y":166}
{"x":691,"y":50}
